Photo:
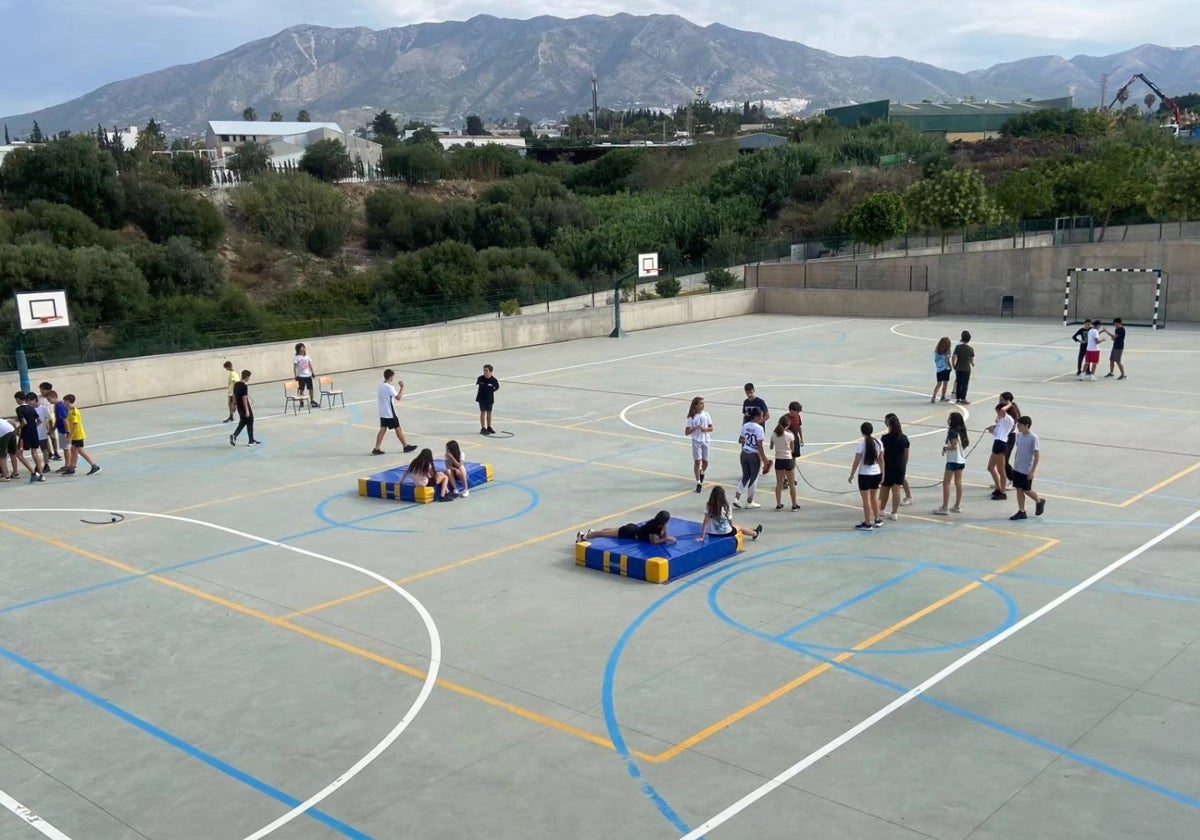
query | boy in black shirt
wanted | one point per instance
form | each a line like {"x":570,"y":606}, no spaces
{"x":27,"y":413}
{"x":245,"y":412}
{"x":486,"y":387}
{"x":754,"y":401}
{"x":1080,"y":338}
{"x":1118,"y":348}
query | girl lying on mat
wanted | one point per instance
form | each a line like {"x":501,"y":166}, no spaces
{"x":654,"y":531}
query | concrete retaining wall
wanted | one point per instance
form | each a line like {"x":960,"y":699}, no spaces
{"x":827,"y":302}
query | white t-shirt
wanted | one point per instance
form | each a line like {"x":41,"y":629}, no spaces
{"x":45,"y":413}
{"x":954,"y":452}
{"x":752,"y":434}
{"x":1004,"y":427}
{"x":387,"y":395}
{"x":6,"y":427}
{"x":303,"y":365}
{"x":1093,"y":339}
{"x":700,"y":421}
{"x":863,"y":467}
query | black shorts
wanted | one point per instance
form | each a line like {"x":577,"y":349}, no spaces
{"x":628,"y":532}
{"x":999,"y":447}
{"x":389,"y":423}
{"x":892,"y":478}
{"x":869,"y":482}
{"x":1021,"y":481}
{"x":951,"y":466}
{"x":943,"y":376}
{"x":8,"y":444}
{"x":305,"y":383}
{"x":485,"y":405}
{"x":29,"y":442}
{"x":785,"y":464}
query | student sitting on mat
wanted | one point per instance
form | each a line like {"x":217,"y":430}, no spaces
{"x":422,"y":473}
{"x":456,"y":470}
{"x":718,"y":518}
{"x":653,"y":531}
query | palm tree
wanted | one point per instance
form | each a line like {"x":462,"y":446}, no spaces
{"x":276,"y":116}
{"x":249,"y":114}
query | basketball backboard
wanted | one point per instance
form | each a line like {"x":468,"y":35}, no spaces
{"x":42,"y":310}
{"x":647,"y":265}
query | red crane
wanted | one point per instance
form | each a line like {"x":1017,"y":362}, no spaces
{"x":1167,"y":102}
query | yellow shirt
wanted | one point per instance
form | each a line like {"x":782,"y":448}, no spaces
{"x":75,"y":424}
{"x":233,"y":380}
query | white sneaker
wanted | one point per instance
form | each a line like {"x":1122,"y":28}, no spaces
{"x":906,"y":502}
{"x":940,"y":512}
{"x":893,"y":516}
{"x":465,"y":493}
{"x":1092,"y":378}
{"x":737,"y":503}
{"x":752,"y":505}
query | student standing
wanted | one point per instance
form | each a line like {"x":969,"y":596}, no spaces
{"x":895,"y":459}
{"x":955,"y":452}
{"x":941,"y":369}
{"x":10,"y":451}
{"x":699,"y":429}
{"x":962,"y":361}
{"x":1118,"y":348}
{"x":44,"y":391}
{"x":78,"y":437}
{"x":997,"y":461}
{"x":302,"y":367}
{"x":245,"y":411}
{"x":1025,"y":463}
{"x":754,"y":401}
{"x":387,"y":395}
{"x":1080,"y":338}
{"x":753,"y":456}
{"x":61,"y":410}
{"x":783,"y":444}
{"x":232,"y":378}
{"x":868,"y":468}
{"x":28,"y":435}
{"x":486,"y":387}
{"x":46,"y":431}
{"x":1092,"y":357}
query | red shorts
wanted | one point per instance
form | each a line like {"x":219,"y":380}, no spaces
{"x":1092,"y":357}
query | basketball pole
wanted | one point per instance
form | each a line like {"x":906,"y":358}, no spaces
{"x":617,"y":331}
{"x":22,"y":363}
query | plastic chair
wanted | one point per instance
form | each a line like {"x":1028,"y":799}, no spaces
{"x":1007,"y":306}
{"x":292,"y":398}
{"x":328,"y":392}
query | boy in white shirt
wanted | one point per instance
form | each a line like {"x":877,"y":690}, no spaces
{"x":1091,"y":356}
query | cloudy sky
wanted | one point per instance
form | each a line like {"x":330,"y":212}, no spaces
{"x":55,"y":50}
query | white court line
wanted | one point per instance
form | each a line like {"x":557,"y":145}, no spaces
{"x":616,"y":360}
{"x":435,"y":652}
{"x":31,"y":818}
{"x":895,"y":330}
{"x":913,"y":693}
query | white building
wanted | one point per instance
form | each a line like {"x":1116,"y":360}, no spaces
{"x":286,"y":140}
{"x":10,"y":147}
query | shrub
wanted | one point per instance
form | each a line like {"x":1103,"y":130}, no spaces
{"x":510,"y":307}
{"x":163,"y":213}
{"x":721,"y":278}
{"x":286,"y":209}
{"x":667,"y":287}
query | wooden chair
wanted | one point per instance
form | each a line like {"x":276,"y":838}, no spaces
{"x":328,"y":392}
{"x":292,"y":398}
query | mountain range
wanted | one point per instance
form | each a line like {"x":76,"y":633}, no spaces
{"x":542,"y":68}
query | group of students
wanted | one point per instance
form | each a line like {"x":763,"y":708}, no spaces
{"x":44,"y":428}
{"x":1089,"y":337}
{"x":452,"y":481}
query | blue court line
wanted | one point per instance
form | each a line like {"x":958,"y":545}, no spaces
{"x":181,"y":745}
{"x":845,"y":605}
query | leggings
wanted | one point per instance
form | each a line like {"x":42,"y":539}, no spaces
{"x":245,"y":421}
{"x":751,"y":467}
{"x":1082,"y":353}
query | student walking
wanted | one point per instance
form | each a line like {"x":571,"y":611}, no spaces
{"x":302,"y":367}
{"x":1080,"y":338}
{"x":1118,"y":348}
{"x":753,"y":456}
{"x":698,"y":428}
{"x":387,"y":395}
{"x":1092,"y":357}
{"x":962,"y":361}
{"x":997,"y":461}
{"x":232,"y":380}
{"x":783,"y":444}
{"x":895,"y":459}
{"x":941,"y":369}
{"x":868,"y":468}
{"x":718,"y":519}
{"x":245,"y":411}
{"x":955,"y":452}
{"x":1025,"y":463}
{"x":78,"y":437}
{"x":486,"y":387}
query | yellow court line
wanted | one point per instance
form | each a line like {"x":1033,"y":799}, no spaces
{"x":476,"y":558}
{"x":1165,"y":482}
{"x":319,"y":637}
{"x":824,"y":667}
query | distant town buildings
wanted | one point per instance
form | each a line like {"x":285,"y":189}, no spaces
{"x":286,"y":140}
{"x":969,"y":121}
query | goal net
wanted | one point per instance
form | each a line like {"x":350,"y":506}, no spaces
{"x":1136,"y":295}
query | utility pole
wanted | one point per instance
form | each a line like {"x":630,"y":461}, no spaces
{"x":595,"y":105}
{"x":1103,"y":89}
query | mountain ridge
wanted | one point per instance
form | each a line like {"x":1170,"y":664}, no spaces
{"x":541,"y":67}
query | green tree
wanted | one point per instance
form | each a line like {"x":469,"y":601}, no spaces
{"x":250,"y":160}
{"x":419,"y":163}
{"x":1028,"y":193}
{"x":74,"y":172}
{"x":286,"y":209}
{"x":35,"y":135}
{"x":249,"y":114}
{"x":1118,"y":177}
{"x":1176,"y":193}
{"x":768,"y":176}
{"x":177,"y":268}
{"x":384,"y":127}
{"x":164,"y":213}
{"x":151,"y":138}
{"x":950,"y":200}
{"x":303,"y":116}
{"x":327,"y":160}
{"x":878,"y":218}
{"x":276,"y":116}
{"x":423,"y":136}
{"x":475,"y":126}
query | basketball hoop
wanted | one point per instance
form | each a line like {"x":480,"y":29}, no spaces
{"x":49,"y":319}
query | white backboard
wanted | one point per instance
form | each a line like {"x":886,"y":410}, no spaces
{"x":42,"y":310}
{"x":647,"y":265}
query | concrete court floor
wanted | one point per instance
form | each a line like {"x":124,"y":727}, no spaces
{"x":197,"y":674}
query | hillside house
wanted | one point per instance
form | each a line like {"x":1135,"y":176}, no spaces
{"x":286,"y":140}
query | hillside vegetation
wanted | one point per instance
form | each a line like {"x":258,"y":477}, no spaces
{"x":152,"y":262}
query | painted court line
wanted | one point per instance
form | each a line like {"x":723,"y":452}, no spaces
{"x":32,"y":819}
{"x":435,"y":642}
{"x":914,"y":693}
